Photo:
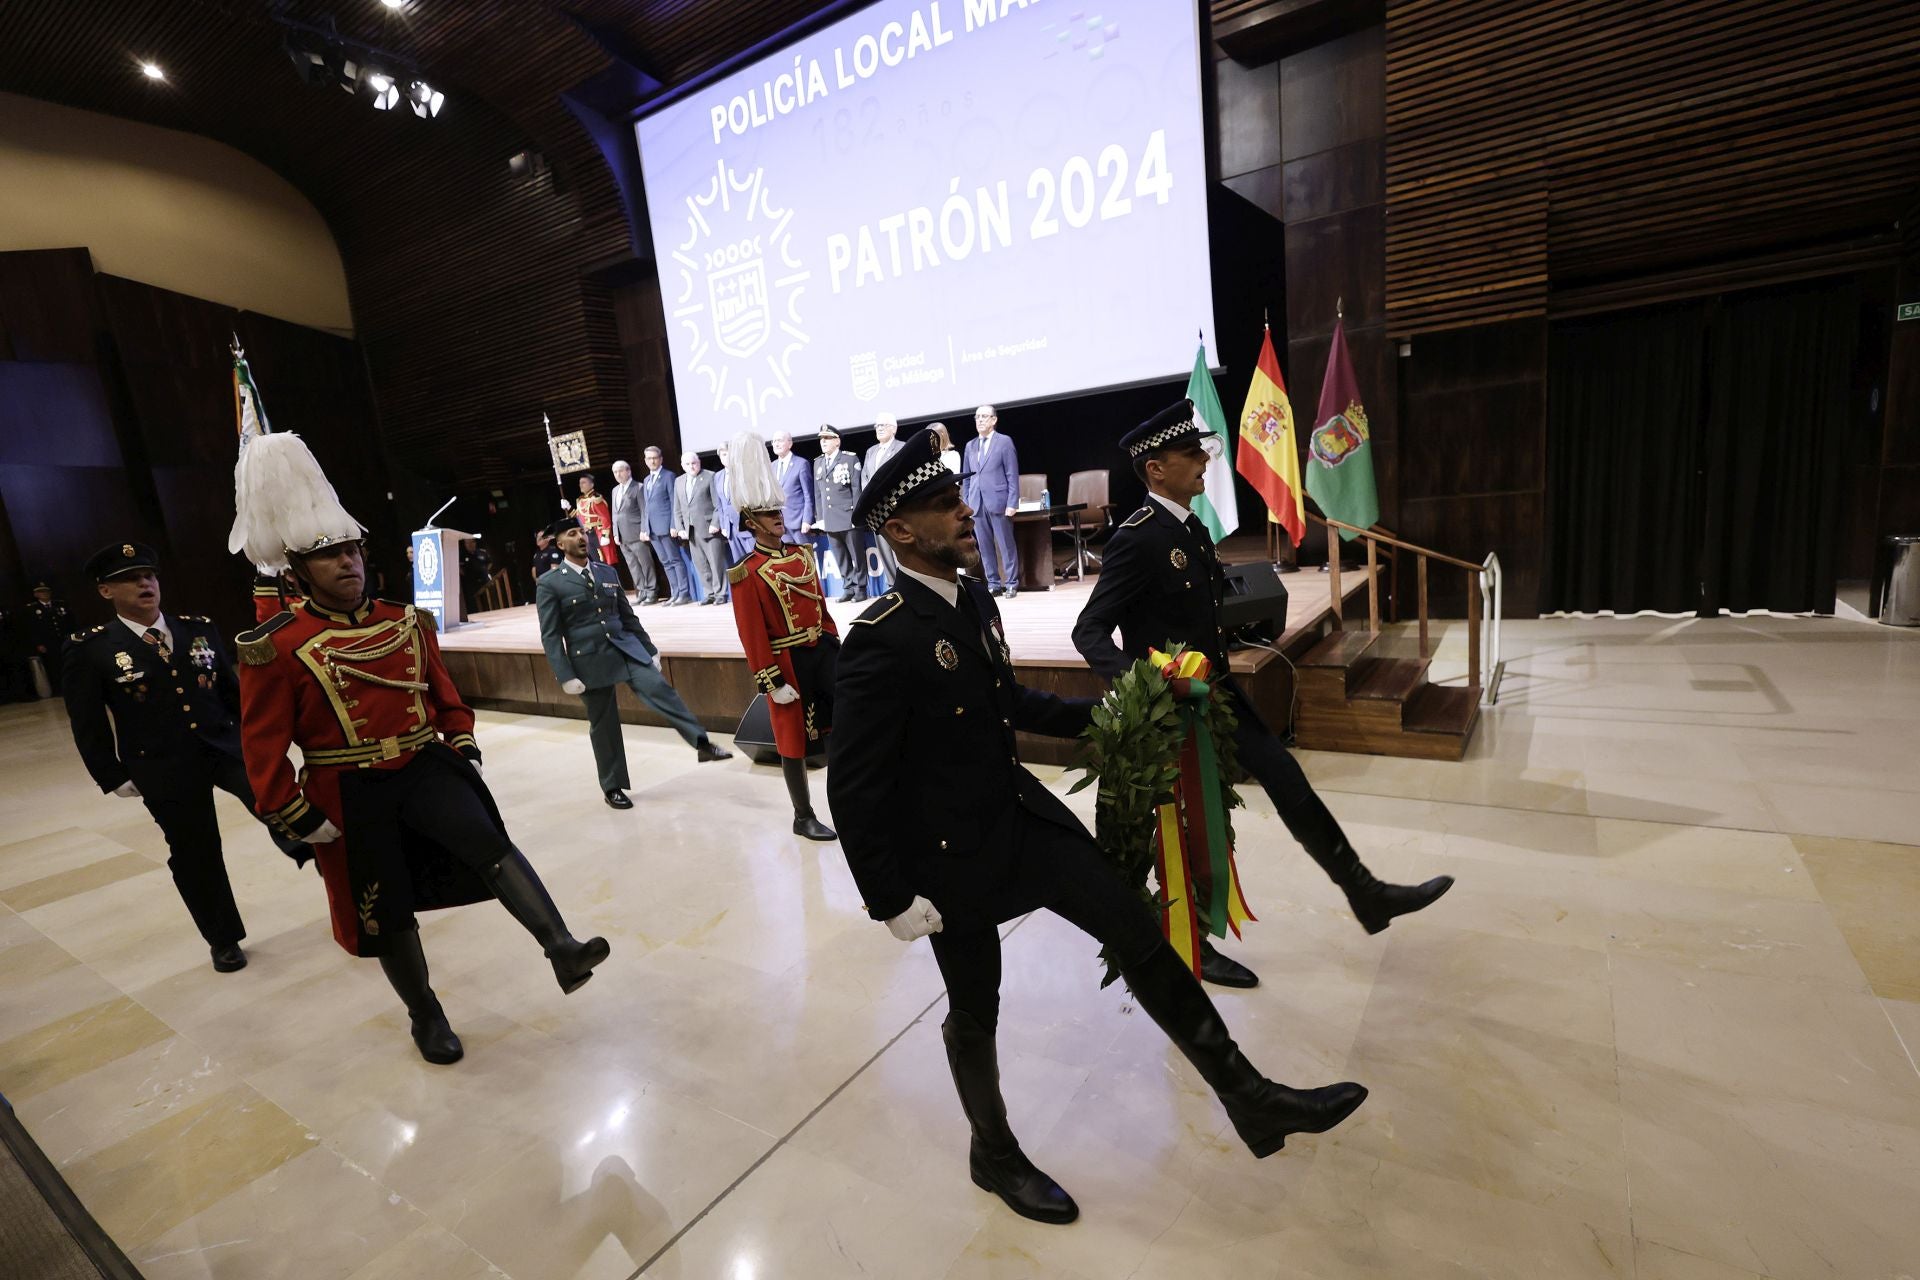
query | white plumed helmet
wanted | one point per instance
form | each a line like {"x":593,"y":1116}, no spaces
{"x":750,"y":482}
{"x":284,"y":504}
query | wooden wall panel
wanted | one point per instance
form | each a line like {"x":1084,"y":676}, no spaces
{"x":1533,"y":144}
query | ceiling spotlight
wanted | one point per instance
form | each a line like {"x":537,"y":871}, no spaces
{"x":394,"y":4}
{"x":152,"y":71}
{"x":425,"y":98}
{"x":386,"y":94}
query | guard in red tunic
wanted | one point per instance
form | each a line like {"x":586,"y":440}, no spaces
{"x":596,"y":517}
{"x":389,"y":793}
{"x":781,"y":612}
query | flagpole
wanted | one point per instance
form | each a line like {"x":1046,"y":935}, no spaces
{"x":559,"y":488}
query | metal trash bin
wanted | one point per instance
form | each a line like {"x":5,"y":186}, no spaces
{"x":1900,"y":597}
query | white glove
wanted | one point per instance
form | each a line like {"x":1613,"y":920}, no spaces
{"x":126,"y":790}
{"x":917,"y":921}
{"x":574,"y":686}
{"x":326,"y":833}
{"x":784,"y":694}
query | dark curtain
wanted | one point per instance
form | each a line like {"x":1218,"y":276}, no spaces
{"x":1626,"y":396}
{"x":1778,"y":434}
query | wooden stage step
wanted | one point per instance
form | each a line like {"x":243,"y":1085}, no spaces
{"x":1352,"y":700}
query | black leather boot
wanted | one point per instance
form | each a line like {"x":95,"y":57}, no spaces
{"x":1375,"y":903}
{"x":520,"y":891}
{"x":804,"y":823}
{"x":1263,"y":1112}
{"x":995,"y":1159}
{"x":1224,"y":971}
{"x":405,"y":965}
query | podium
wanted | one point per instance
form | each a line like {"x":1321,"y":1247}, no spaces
{"x":436,"y":575}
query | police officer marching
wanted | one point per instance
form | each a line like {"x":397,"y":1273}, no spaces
{"x":1160,"y":584}
{"x":836,"y":489}
{"x":949,"y":836}
{"x":155,"y":712}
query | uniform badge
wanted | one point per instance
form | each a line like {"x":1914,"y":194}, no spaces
{"x":1178,"y":557}
{"x":1000,"y":638}
{"x":944,"y":655}
{"x":124,"y":661}
{"x":126,"y":549}
{"x":201,"y":653}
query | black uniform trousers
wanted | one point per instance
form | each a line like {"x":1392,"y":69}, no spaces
{"x":187,"y":819}
{"x":1263,"y":755}
{"x":847,"y":553}
{"x":444,"y":809}
{"x":1068,"y":876}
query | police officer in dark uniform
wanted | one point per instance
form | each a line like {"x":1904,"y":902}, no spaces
{"x":836,"y":492}
{"x":155,"y":711}
{"x":1160,"y":583}
{"x":948,"y":836}
{"x":595,"y":644}
{"x":546,"y":553}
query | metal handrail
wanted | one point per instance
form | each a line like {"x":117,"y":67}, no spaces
{"x":1490,"y":594}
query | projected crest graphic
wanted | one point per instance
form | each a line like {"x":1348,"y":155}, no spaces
{"x":740,"y":288}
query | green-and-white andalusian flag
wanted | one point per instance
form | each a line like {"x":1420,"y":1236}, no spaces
{"x":249,"y":415}
{"x":1217,"y":508}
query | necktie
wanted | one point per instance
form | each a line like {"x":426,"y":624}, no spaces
{"x":153,"y":637}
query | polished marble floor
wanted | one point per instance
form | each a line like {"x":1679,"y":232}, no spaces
{"x":1664,"y":1028}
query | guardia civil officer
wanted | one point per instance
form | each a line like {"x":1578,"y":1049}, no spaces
{"x":1160,"y":584}
{"x":155,"y":712}
{"x":595,"y":644}
{"x":949,"y":836}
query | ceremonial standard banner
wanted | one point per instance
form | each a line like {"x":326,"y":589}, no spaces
{"x":1218,"y":508}
{"x":1268,"y":457}
{"x":1340,"y":450}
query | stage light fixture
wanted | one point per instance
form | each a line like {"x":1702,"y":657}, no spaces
{"x":425,"y":98}
{"x":386,"y":94}
{"x":152,"y":71}
{"x":394,"y":4}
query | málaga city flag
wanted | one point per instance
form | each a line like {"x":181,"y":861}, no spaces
{"x":249,"y":415}
{"x":1217,"y":508}
{"x":1340,"y":450}
{"x":1268,"y":457}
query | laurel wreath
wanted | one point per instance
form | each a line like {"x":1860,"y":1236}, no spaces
{"x":1132,"y":749}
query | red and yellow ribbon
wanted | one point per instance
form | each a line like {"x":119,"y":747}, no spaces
{"x":1192,"y":855}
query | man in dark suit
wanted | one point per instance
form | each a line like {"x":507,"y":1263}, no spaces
{"x":836,"y":488}
{"x":886,"y":443}
{"x":630,"y":532}
{"x":739,"y":542}
{"x":795,"y":479}
{"x":155,"y":712}
{"x":993,"y":491}
{"x":658,"y":488}
{"x":948,"y":836}
{"x":594,"y":644}
{"x":1160,"y":584}
{"x":696,"y":518}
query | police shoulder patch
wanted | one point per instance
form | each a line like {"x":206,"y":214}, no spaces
{"x":739,"y":572}
{"x":256,"y":646}
{"x":1139,"y":517}
{"x":879,"y":609}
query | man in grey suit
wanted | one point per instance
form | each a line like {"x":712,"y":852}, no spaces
{"x":885,"y":428}
{"x":836,"y":487}
{"x":630,"y":531}
{"x":595,"y":644}
{"x":696,"y":517}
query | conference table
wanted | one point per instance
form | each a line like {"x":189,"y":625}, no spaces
{"x":1033,"y":539}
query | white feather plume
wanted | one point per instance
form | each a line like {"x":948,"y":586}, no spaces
{"x":281,"y":500}
{"x":750,"y":482}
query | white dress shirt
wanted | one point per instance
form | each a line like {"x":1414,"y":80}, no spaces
{"x":140,"y":629}
{"x":947,"y":589}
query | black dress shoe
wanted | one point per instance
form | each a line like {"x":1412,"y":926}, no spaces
{"x":1224,"y":971}
{"x":1011,"y":592}
{"x":813,"y":829}
{"x":706,"y":753}
{"x":229,"y":958}
{"x":1376,"y":903}
{"x":617,"y":799}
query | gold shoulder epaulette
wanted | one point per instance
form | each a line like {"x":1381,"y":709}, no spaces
{"x":423,"y":617}
{"x":195,"y":617}
{"x":738,"y":574}
{"x":879,"y":609}
{"x":256,"y":646}
{"x":1141,"y":516}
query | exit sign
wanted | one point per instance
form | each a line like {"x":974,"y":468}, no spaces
{"x":1909,"y":311}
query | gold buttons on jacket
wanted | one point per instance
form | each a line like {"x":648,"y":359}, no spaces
{"x":959,"y":711}
{"x":943,"y":844}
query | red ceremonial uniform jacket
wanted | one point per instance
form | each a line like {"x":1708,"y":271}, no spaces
{"x":778,"y":606}
{"x":594,"y":513}
{"x":359,"y":690}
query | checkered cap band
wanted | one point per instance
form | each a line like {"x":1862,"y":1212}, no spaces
{"x":883,"y":510}
{"x":1165,"y":435}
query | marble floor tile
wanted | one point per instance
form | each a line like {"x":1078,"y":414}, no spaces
{"x":1657,"y":1262}
{"x":49,"y":1055}
{"x":1905,"y":1017}
{"x":430,"y":1251}
{"x":1873,"y":893}
{"x":119,"y":1098}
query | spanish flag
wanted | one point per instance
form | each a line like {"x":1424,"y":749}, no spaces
{"x":1268,"y":457}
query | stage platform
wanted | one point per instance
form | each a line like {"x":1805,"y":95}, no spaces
{"x":497,"y":661}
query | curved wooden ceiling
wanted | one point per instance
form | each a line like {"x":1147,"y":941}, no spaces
{"x":466,"y":280}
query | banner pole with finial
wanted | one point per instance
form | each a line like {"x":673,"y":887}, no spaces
{"x":1339,"y":308}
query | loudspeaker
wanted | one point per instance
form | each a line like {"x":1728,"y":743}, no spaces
{"x":1254,"y":594}
{"x":755,"y":736}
